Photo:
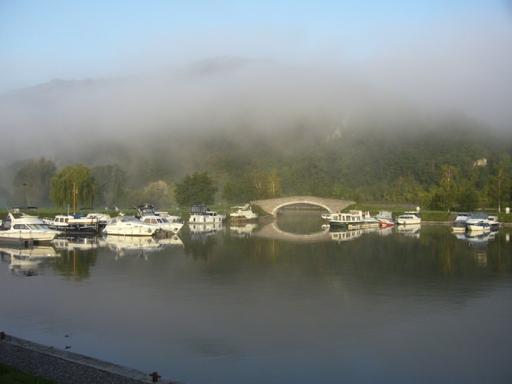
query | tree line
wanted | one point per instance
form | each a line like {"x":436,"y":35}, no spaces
{"x":445,"y":170}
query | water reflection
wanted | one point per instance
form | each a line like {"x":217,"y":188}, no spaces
{"x":76,"y":243}
{"x":250,"y":308}
{"x":202,"y":231}
{"x":411,"y":230}
{"x":243,"y":229}
{"x":27,"y":261}
{"x":352,"y":234}
{"x":141,"y":246}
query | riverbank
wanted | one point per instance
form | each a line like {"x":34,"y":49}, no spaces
{"x":10,"y":375}
{"x":64,"y":367}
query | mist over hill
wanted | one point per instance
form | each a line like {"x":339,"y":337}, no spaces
{"x":320,"y":129}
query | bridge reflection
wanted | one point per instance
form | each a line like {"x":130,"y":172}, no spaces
{"x":272,"y":231}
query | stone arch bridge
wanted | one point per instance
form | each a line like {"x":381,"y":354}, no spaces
{"x":272,"y":206}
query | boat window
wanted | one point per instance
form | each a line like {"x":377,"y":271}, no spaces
{"x":147,"y":221}
{"x":153,"y":221}
{"x":20,"y":226}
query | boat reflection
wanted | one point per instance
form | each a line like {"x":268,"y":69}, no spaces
{"x":173,"y":240}
{"x":76,"y":244}
{"x":412,"y":230}
{"x":479,"y":242}
{"x":243,"y":230}
{"x":137,"y":245}
{"x":476,"y":239}
{"x":199,"y":231}
{"x":353,"y":234}
{"x":27,"y":261}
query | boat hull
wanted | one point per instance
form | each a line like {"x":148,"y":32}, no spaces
{"x":45,"y":236}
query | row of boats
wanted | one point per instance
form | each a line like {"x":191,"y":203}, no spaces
{"x":357,"y":219}
{"x":147,"y":222}
{"x":476,"y":222}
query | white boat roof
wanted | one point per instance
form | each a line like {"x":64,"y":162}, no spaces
{"x":25,"y":219}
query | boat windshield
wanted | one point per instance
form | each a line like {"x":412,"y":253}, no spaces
{"x":128,"y":219}
{"x":38,"y":227}
{"x":479,"y":216}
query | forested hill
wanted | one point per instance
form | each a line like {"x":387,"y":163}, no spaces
{"x":454,"y":163}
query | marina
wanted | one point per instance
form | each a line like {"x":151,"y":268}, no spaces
{"x":104,"y":290}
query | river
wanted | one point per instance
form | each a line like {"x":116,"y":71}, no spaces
{"x":285,"y":302}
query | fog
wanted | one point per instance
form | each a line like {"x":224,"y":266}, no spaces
{"x":463,"y":70}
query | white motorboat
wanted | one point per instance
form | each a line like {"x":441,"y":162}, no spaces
{"x":408,"y":218}
{"x":385,"y":219}
{"x":482,"y":222}
{"x":353,"y":219}
{"x":162,"y":223}
{"x":459,"y":224}
{"x":242,"y":212}
{"x":129,"y":226}
{"x":201,"y":214}
{"x":100,"y":219}
{"x":474,"y":225}
{"x":92,"y":223}
{"x":170,"y":218}
{"x":25,"y":228}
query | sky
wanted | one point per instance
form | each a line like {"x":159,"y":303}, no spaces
{"x":44,"y":40}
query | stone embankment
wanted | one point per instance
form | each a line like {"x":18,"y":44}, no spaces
{"x":66,"y":367}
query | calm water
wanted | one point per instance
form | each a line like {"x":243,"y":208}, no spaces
{"x":285,"y":303}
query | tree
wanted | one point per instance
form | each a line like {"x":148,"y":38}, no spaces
{"x":158,"y":193}
{"x":73,"y":185}
{"x":240,"y":190}
{"x":32,"y":181}
{"x":499,"y":185}
{"x":467,"y":197}
{"x":447,"y":187}
{"x":195,"y":189}
{"x":110,"y":184}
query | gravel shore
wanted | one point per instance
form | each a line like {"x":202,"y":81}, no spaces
{"x":65,"y":367}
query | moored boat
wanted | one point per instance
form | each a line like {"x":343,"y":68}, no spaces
{"x":482,"y":222}
{"x":129,"y":226}
{"x":408,"y":218}
{"x":203,"y":215}
{"x":242,"y":212}
{"x":162,"y":223}
{"x":385,"y":219}
{"x":353,"y":219}
{"x":20,"y":227}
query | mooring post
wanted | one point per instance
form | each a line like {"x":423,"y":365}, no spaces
{"x":155,"y":377}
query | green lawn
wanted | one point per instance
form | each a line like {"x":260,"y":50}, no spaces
{"x":10,"y":375}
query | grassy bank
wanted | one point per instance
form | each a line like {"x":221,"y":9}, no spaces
{"x":10,"y":375}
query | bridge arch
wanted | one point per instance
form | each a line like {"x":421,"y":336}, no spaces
{"x":272,"y":206}
{"x":286,"y":204}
